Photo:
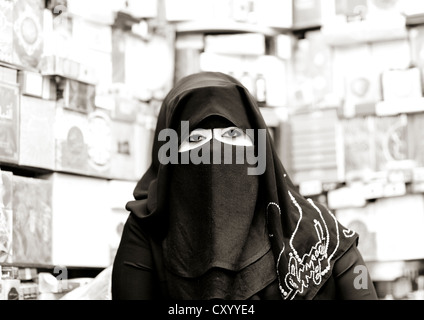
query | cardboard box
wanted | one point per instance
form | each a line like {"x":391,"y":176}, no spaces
{"x":8,"y":75}
{"x":81,"y":215}
{"x":123,"y":151}
{"x":31,"y":83}
{"x":416,"y":138}
{"x":401,"y":84}
{"x":37,"y":117}
{"x":306,"y":13}
{"x":6,"y":216}
{"x":391,"y":142}
{"x":355,"y":83}
{"x":32,"y":220}
{"x":76,"y":95}
{"x":359,"y":149}
{"x":28,"y":32}
{"x":83,"y":142}
{"x":9,"y":123}
{"x":6,"y":31}
{"x":118,"y":55}
{"x":364,"y":222}
{"x":70,"y":129}
{"x":10,"y":289}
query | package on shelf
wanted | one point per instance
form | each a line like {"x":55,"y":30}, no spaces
{"x":118,"y":55}
{"x":350,"y":196}
{"x":417,"y":185}
{"x":359,"y":150}
{"x":32,"y":220}
{"x":80,"y":232}
{"x":301,"y":86}
{"x":238,"y":44}
{"x":8,"y":75}
{"x":311,"y":13}
{"x":273,"y":72}
{"x":29,"y":290}
{"x":10,"y":289}
{"x":316,"y":146}
{"x":385,"y":10}
{"x":6,"y":216}
{"x":254,"y":72}
{"x":281,"y":45}
{"x":401,"y":84}
{"x":57,"y":31}
{"x":187,"y":61}
{"x":9,"y":123}
{"x":49,"y":88}
{"x":83,"y":142}
{"x":356,"y":83}
{"x":416,"y":138}
{"x":339,"y":12}
{"x":346,"y":11}
{"x":76,"y":95}
{"x":391,"y":141}
{"x":36,"y":139}
{"x":6,"y":31}
{"x":364,"y":222}
{"x":319,"y":63}
{"x":28,"y":33}
{"x":94,"y":43}
{"x":389,"y":229}
{"x":416,"y":41}
{"x":122,"y":162}
{"x":53,"y":65}
{"x":31,"y":83}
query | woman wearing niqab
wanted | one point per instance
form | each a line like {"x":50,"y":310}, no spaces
{"x":216,"y":215}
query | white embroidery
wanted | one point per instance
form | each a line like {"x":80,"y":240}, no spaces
{"x":348,"y":233}
{"x":301,"y":270}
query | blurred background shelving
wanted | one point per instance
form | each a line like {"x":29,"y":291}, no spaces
{"x":340,"y":85}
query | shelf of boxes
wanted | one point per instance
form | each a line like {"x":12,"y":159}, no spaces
{"x":79,"y":98}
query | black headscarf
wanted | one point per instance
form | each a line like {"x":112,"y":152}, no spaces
{"x":303,"y":237}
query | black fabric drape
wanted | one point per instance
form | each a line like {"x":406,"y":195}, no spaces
{"x":306,"y":239}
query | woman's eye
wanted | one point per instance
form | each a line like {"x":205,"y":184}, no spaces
{"x":233,"y":133}
{"x":196,"y":138}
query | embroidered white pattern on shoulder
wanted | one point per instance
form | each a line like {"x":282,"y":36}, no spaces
{"x":348,"y":233}
{"x":313,"y":265}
